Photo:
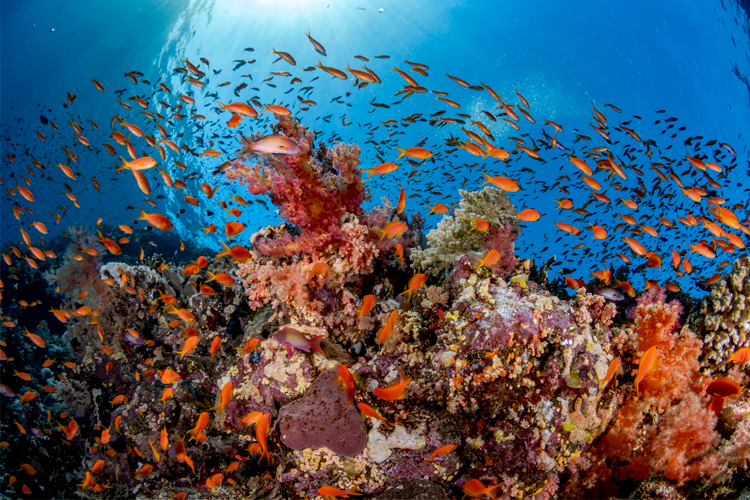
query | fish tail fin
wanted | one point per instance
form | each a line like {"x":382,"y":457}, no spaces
{"x":143,"y":214}
{"x":315,"y":344}
{"x":226,"y":251}
{"x":368,"y":177}
{"x":212,"y":275}
{"x":124,"y":165}
{"x":381,"y":232}
{"x":486,"y":179}
{"x":492,"y":492}
{"x":320,"y":64}
{"x":403,"y":152}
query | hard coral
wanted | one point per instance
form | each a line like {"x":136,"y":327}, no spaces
{"x":723,"y":320}
{"x":454,"y":236}
{"x":524,"y":376}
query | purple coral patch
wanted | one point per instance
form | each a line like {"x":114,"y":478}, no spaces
{"x":319,"y":419}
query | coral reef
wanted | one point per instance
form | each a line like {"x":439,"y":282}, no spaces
{"x":455,"y":235}
{"x":173,"y":380}
{"x":723,"y":320}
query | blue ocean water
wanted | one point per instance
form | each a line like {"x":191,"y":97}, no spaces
{"x":678,"y":72}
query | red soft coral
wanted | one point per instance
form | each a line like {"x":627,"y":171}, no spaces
{"x":668,"y":430}
{"x":313,"y":190}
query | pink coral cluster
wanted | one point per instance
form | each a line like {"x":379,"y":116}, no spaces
{"x":502,"y":239}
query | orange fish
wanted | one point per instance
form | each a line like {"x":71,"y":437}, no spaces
{"x":226,"y":396}
{"x":401,"y":201}
{"x":250,"y":346}
{"x":169,"y":376}
{"x":393,"y":229}
{"x":183,"y":314}
{"x":188,"y":345}
{"x":145,"y":470}
{"x":222,"y":278}
{"x":215,"y":345}
{"x":480,"y":225}
{"x":439,"y":208}
{"x":368,"y":302}
{"x":381,"y":169}
{"x":724,"y":387}
{"x":740,"y":356}
{"x":332,"y":491}
{"x":261,"y":434}
{"x":476,"y":489}
{"x":396,"y":390}
{"x":143,"y":163}
{"x":347,"y":383}
{"x":614,"y":365}
{"x":159,"y":221}
{"x":110,"y":244}
{"x":199,"y":425}
{"x":646,"y":364}
{"x":215,"y":480}
{"x":36,"y":339}
{"x":232,"y":229}
{"x":500,"y":182}
{"x":442,"y":451}
{"x":415,"y":283}
{"x":370,"y":411}
{"x":418,"y":153}
{"x":489,"y":259}
{"x":528,"y":215}
{"x":121,"y":398}
{"x":167,"y":394}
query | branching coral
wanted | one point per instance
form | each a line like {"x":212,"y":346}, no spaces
{"x":454,"y":236}
{"x":723,"y":320}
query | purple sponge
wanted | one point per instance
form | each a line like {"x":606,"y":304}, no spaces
{"x":319,"y":419}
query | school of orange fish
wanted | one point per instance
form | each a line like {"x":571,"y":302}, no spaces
{"x":635,"y":198}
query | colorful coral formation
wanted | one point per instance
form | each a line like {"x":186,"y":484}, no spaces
{"x":489,"y":359}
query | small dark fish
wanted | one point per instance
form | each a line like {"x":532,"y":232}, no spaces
{"x":249,"y":49}
{"x":309,"y":68}
{"x":151,"y":243}
{"x":191,"y":176}
{"x":205,"y":61}
{"x":382,"y":57}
